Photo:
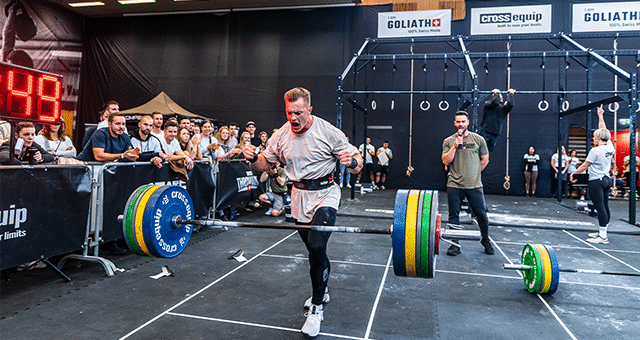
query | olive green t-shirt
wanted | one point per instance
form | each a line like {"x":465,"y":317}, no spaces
{"x":464,"y":171}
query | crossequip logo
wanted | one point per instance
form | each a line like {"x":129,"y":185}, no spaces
{"x":499,"y":18}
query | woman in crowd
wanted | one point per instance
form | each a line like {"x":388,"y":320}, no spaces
{"x":186,"y":145}
{"x":29,"y":152}
{"x":263,"y":141}
{"x":53,"y":139}
{"x":598,"y":163}
{"x":574,"y":161}
{"x":245,"y":139}
{"x":563,"y":174}
{"x":208,"y":143}
{"x":225,"y":151}
{"x":531,"y":159}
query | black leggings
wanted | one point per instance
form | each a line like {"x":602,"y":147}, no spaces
{"x":599,"y":193}
{"x":316,"y":242}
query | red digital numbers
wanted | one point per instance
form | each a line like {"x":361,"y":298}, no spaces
{"x":29,"y":94}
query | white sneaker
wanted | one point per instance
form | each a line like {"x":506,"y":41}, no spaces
{"x":382,"y":187}
{"x":593,"y":235}
{"x":375,"y":187}
{"x":268,"y":213}
{"x":341,"y":185}
{"x":325,"y":299}
{"x":599,"y":240}
{"x":314,"y":316}
{"x":349,"y":185}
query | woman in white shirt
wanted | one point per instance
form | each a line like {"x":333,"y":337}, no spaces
{"x":171,"y":145}
{"x":599,"y":164}
{"x":531,"y":159}
{"x":53,"y":139}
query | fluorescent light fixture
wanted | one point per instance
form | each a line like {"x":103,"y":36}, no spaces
{"x":214,"y":11}
{"x":292,"y":7}
{"x":133,"y":2}
{"x":86,"y":4}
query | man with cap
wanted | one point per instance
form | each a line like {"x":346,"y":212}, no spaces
{"x":251,"y":129}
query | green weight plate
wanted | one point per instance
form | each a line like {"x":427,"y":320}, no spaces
{"x":128,"y":221}
{"x":419,"y":233}
{"x":432,"y":234}
{"x":425,"y":251}
{"x":532,"y":277}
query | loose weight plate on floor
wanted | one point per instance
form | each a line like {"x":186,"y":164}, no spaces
{"x":425,"y":238}
{"x":533,"y":277}
{"x":555,"y":269}
{"x":398,"y":234}
{"x":128,"y":227}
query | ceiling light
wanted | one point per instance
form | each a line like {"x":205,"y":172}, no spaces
{"x":131,"y":2}
{"x":86,"y":4}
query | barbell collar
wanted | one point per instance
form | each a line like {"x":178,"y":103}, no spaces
{"x":455,"y":234}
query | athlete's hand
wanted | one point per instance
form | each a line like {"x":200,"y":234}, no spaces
{"x":345,"y":158}
{"x":249,"y":151}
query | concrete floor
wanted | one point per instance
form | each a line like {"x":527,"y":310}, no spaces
{"x":471,"y":296}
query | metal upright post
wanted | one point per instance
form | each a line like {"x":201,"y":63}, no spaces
{"x":633,"y":103}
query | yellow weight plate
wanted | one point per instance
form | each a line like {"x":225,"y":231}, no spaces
{"x":139,"y":215}
{"x":410,"y":232}
{"x":546,"y":262}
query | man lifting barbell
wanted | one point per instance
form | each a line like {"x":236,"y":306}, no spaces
{"x":309,"y":146}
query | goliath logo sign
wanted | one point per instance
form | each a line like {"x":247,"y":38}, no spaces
{"x":501,"y":18}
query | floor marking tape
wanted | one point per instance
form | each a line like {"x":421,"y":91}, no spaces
{"x":206,"y":287}
{"x":576,"y":248}
{"x":257,"y":325}
{"x":602,"y":251}
{"x":375,"y":304}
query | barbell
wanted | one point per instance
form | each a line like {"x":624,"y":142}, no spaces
{"x":540,"y":270}
{"x":158,"y":220}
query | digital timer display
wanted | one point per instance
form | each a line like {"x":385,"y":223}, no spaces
{"x":29,"y":94}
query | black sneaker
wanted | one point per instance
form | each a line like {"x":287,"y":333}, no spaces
{"x":453,"y":250}
{"x":111,"y":248}
{"x":488,"y":248}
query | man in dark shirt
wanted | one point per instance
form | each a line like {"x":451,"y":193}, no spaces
{"x":107,"y":145}
{"x":494,"y":113}
{"x":251,"y":129}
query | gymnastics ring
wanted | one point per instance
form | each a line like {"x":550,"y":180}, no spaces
{"x":393,"y":103}
{"x":616,"y":106}
{"x":565,"y":105}
{"x":373,"y":105}
{"x":422,"y":105}
{"x":638,"y":109}
{"x":442,"y":103}
{"x":543,"y":105}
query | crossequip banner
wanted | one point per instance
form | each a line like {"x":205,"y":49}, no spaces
{"x":121,"y":180}
{"x":511,"y":20}
{"x":236,"y":183}
{"x":414,"y":24}
{"x":606,"y":16}
{"x":43,"y":212}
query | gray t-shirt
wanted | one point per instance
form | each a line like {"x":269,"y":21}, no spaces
{"x":600,"y":159}
{"x":464,"y":171}
{"x":311,"y":155}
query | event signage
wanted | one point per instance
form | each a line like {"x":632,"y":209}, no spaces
{"x":606,"y":16}
{"x":414,"y":24}
{"x":511,"y":20}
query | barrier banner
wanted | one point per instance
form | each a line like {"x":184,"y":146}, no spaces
{"x":120,"y":180}
{"x":43,"y":212}
{"x":606,"y":16}
{"x":236,"y":182}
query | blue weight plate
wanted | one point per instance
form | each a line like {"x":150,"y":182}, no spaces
{"x":397,"y":235}
{"x":555,"y":269}
{"x":162,"y":239}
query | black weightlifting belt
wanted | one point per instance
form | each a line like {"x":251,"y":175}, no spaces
{"x":315,"y":184}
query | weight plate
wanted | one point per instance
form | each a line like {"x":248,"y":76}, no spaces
{"x":161,"y":238}
{"x":531,"y":277}
{"x":141,"y":206}
{"x":410,"y":233}
{"x":546,"y":270}
{"x":128,"y":227}
{"x":419,"y":232}
{"x":438,"y":234}
{"x":397,"y":234}
{"x":555,"y":270}
{"x":424,"y":236}
{"x":432,"y":233}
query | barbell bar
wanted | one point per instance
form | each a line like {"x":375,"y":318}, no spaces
{"x":158,"y":222}
{"x":540,"y":270}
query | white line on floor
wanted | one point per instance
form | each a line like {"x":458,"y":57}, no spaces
{"x":375,"y":304}
{"x":384,"y":211}
{"x":508,"y":218}
{"x":257,"y":325}
{"x":539,"y":296}
{"x":330,"y":260}
{"x":602,"y":251}
{"x":576,"y":248}
{"x":206,"y":287}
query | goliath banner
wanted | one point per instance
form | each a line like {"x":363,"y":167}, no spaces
{"x":38,"y":34}
{"x":120,"y":181}
{"x":43,"y":212}
{"x":414,"y":24}
{"x":236,"y":184}
{"x":511,"y":20}
{"x":606,"y":16}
